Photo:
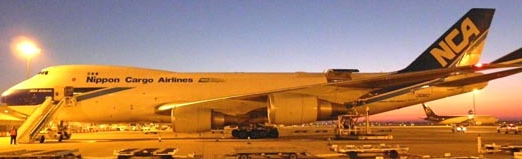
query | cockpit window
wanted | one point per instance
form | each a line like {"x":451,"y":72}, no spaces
{"x":43,"y":72}
{"x":27,"y":96}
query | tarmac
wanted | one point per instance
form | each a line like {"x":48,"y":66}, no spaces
{"x":433,"y":141}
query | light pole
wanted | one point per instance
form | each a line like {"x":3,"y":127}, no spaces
{"x":28,"y":49}
{"x":475,"y":91}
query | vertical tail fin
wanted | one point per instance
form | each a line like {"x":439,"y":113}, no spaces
{"x":460,"y":45}
{"x":429,"y":113}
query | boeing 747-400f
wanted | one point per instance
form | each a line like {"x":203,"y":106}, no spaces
{"x":197,"y":102}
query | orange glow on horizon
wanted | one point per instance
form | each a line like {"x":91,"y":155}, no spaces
{"x":498,"y":99}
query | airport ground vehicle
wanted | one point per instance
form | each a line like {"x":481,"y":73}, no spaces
{"x":270,"y":152}
{"x":53,"y":133}
{"x":346,"y":126}
{"x":494,"y":148}
{"x":149,"y":130}
{"x":357,"y":151}
{"x":347,"y":129}
{"x":66,"y":154}
{"x":164,"y":153}
{"x":507,"y":128}
{"x":459,"y":128}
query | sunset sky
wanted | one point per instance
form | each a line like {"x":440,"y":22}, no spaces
{"x":259,"y":36}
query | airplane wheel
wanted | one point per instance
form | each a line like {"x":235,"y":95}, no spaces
{"x":394,"y":154}
{"x":262,"y":134}
{"x":235,"y":133}
{"x":292,"y":156}
{"x":352,"y":155}
{"x":242,"y":134}
{"x":254,"y":134}
{"x":243,"y":156}
{"x":67,"y":135}
{"x":42,"y":139}
{"x":273,"y":133}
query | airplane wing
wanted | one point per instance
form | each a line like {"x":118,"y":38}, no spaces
{"x":235,"y":104}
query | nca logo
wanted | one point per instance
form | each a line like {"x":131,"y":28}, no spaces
{"x":447,"y":47}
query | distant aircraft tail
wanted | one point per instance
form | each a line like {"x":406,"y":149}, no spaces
{"x":430,"y":115}
{"x":460,"y":45}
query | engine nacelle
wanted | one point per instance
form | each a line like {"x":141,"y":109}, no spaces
{"x":291,"y":109}
{"x":191,"y":119}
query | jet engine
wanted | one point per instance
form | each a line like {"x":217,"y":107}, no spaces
{"x":190,"y":119}
{"x":291,"y":109}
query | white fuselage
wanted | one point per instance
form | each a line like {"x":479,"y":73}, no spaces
{"x":471,"y":119}
{"x":126,"y":94}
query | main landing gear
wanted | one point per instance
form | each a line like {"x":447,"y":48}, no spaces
{"x":258,"y":131}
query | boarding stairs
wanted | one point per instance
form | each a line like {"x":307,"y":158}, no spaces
{"x":39,"y":119}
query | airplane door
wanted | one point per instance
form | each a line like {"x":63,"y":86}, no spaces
{"x":68,"y":91}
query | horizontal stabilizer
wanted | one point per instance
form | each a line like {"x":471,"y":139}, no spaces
{"x":514,"y":57}
{"x":481,"y":78}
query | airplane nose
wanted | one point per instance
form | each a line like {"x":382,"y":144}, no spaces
{"x":3,"y":97}
{"x":26,"y":96}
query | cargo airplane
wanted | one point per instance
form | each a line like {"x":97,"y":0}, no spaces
{"x":198,"y":102}
{"x":470,"y":119}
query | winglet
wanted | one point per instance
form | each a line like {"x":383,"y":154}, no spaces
{"x":460,"y":45}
